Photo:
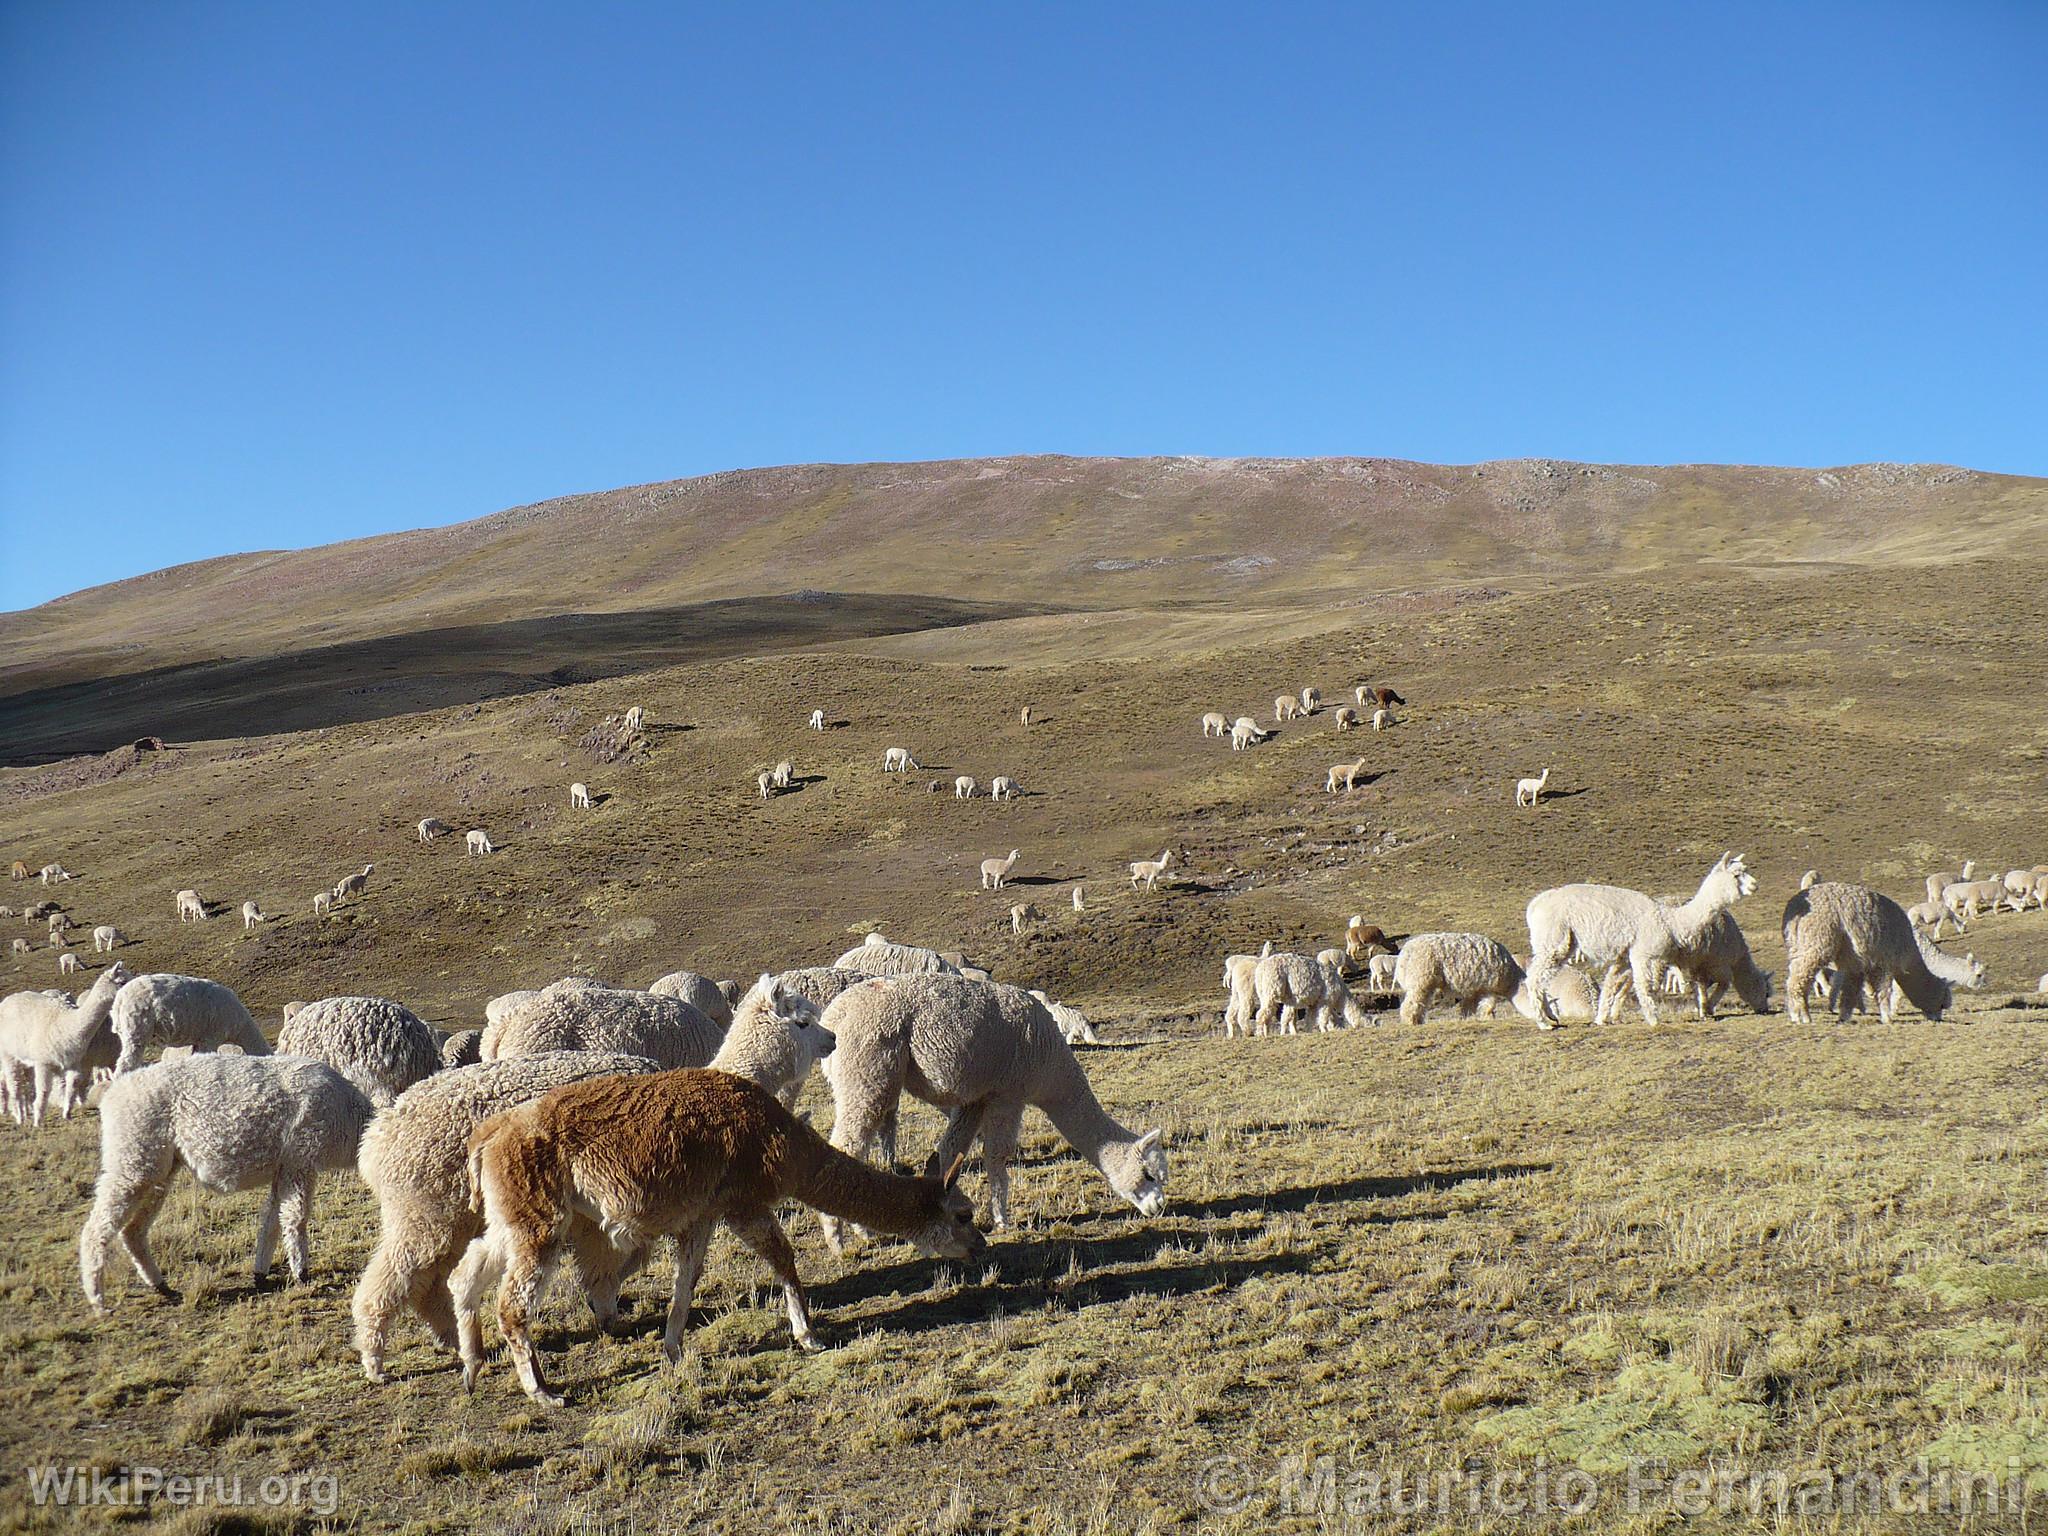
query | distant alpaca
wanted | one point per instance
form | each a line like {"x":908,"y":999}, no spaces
{"x":1214,"y":724}
{"x":1024,"y":714}
{"x":1149,"y":870}
{"x":579,"y":797}
{"x":669,"y":1154}
{"x":1529,"y":791}
{"x":478,"y":841}
{"x":817,"y":719}
{"x":251,"y":915}
{"x":995,"y":871}
{"x":1382,"y":718}
{"x":1615,"y":929}
{"x":1344,"y":776}
{"x":1079,"y":904}
{"x":1381,"y":697}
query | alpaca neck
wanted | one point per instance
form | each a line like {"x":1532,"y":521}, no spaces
{"x":830,"y":1181}
{"x":1707,"y":903}
{"x":1078,"y":1115}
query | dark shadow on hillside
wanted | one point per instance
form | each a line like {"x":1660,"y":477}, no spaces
{"x":389,"y":675}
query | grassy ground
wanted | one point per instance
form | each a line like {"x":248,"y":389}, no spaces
{"x":1737,"y":1245}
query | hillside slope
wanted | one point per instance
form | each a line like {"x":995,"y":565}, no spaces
{"x":1061,"y":532}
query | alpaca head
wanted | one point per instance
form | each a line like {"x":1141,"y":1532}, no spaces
{"x":101,"y":993}
{"x":947,"y":1230}
{"x":771,"y":1005}
{"x":1975,"y":978}
{"x":1728,"y":881}
{"x":1137,"y":1171}
{"x":1753,"y":986}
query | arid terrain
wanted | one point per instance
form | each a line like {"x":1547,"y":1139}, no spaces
{"x":1730,"y":1244}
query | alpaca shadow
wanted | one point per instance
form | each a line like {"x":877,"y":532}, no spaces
{"x":801,"y":780}
{"x":665,"y":730}
{"x":1375,"y":1187}
{"x":600,"y":799}
{"x":1567,"y":794}
{"x":1191,"y":887}
{"x":1039,"y":880}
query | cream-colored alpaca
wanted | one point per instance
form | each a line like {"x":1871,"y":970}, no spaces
{"x":579,"y":797}
{"x":1214,"y":724}
{"x":995,"y":871}
{"x":1285,"y":707}
{"x":963,"y":788}
{"x":983,"y":1052}
{"x":1529,"y":791}
{"x":1344,"y":775}
{"x":1149,"y":870}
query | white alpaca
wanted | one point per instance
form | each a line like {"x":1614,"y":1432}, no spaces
{"x":1149,"y":870}
{"x":106,"y":937}
{"x":713,"y":999}
{"x":415,"y":1160}
{"x":1381,"y":719}
{"x":238,"y":1122}
{"x":983,"y":1052}
{"x":579,"y":797}
{"x":56,"y":872}
{"x":1942,"y":880}
{"x":1240,"y":991}
{"x":1022,"y":913}
{"x":635,"y":720}
{"x":1345,"y":718}
{"x":1379,"y":973}
{"x":765,"y":782}
{"x":876,"y":956}
{"x":1972,"y":898}
{"x":1079,"y":904}
{"x":785,"y":774}
{"x":1468,"y":970}
{"x":67,"y":963}
{"x":1866,"y":939}
{"x":1002,"y":787}
{"x":775,"y":1039}
{"x":1343,"y":776}
{"x":899,"y":760}
{"x":1289,"y":985}
{"x":1024,"y":714}
{"x":477,"y":841}
{"x":190,"y":908}
{"x":1074,"y":1026}
{"x":1214,"y":724}
{"x":380,"y":1046}
{"x":614,"y":1020}
{"x":1613,"y":929}
{"x":1567,"y":998}
{"x":19,"y":947}
{"x":251,"y":915}
{"x":161,"y":1008}
{"x":995,"y":871}
{"x":1930,"y":915}
{"x":963,"y":788}
{"x":323,"y":901}
{"x":57,"y":1042}
{"x":817,"y":719}
{"x":1245,"y":732}
{"x":1311,"y":700}
{"x":1286,"y":707}
{"x":432,"y":827}
{"x":1530,"y":791}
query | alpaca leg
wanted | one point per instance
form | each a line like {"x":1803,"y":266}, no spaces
{"x":42,"y":1077}
{"x":379,"y":1293}
{"x":296,"y":1213}
{"x":1799,"y":972}
{"x":885,"y":1137}
{"x":1699,"y":988}
{"x":526,"y":1278}
{"x":602,"y":1269}
{"x":764,"y":1234}
{"x":1643,"y":970}
{"x":266,"y":1229}
{"x":134,"y":1216}
{"x":691,"y":1244}
{"x":962,"y":1126}
{"x":482,"y":1266}
{"x":998,"y":1145}
{"x":861,"y":1110}
{"x":1610,"y":987}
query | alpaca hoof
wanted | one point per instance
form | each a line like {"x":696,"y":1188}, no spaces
{"x":809,"y":1343}
{"x":672,"y":1351}
{"x":374,"y":1370}
{"x":548,"y":1399}
{"x":470,"y":1371}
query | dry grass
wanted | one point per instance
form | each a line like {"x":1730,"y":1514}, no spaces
{"x":1741,"y":1243}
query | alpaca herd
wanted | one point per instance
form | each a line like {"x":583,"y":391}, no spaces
{"x":582,"y":1120}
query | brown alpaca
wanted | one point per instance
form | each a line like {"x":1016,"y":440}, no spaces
{"x":1382,"y":697}
{"x":668,"y":1154}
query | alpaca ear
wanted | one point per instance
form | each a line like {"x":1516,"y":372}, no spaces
{"x":953,"y":1173}
{"x":1148,"y":1141}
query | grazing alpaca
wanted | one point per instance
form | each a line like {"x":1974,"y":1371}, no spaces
{"x":983,"y":1052}
{"x":1529,"y":791}
{"x":1024,"y":714}
{"x":579,"y":797}
{"x":1864,"y":938}
{"x":671,"y":1154}
{"x":1214,"y":724}
{"x":995,"y":871}
{"x":1612,"y":928}
{"x":1383,"y":697}
{"x":1149,"y":870}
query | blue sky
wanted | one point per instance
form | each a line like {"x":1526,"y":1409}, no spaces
{"x":273,"y":274}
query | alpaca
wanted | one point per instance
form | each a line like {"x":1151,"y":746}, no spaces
{"x":963,"y":788}
{"x":1240,"y":991}
{"x":586,"y":1017}
{"x":1149,"y":870}
{"x":1381,"y":696}
{"x":1074,"y":1026}
{"x":1530,"y":791}
{"x":432,"y":827}
{"x":478,"y":841}
{"x":983,"y":1052}
{"x":67,"y":964}
{"x":1345,"y":718}
{"x":1344,"y":776}
{"x":191,"y":909}
{"x":1467,"y":969}
{"x":671,"y":1154}
{"x":579,"y":797}
{"x":1718,"y":959}
{"x":1311,"y":700}
{"x":1002,"y":787}
{"x":1382,"y":718}
{"x":1289,"y":985}
{"x":1285,"y":708}
{"x":1942,"y":880}
{"x":106,"y":937}
{"x":1930,"y":915}
{"x":353,"y":885}
{"x":817,"y":719}
{"x":165,"y":1009}
{"x":765,"y":782}
{"x":464,"y":1048}
{"x":238,"y":1122}
{"x":1607,"y":925}
{"x":1362,"y":938}
{"x":995,"y":871}
{"x":414,"y":1159}
{"x":1214,"y":724}
{"x":635,"y":720}
{"x":380,"y":1046}
{"x":1024,"y":714}
{"x":1246,"y":732}
{"x":775,"y":1039}
{"x":1971,"y":898}
{"x":1865,"y":938}
{"x":1080,"y":905}
{"x":785,"y":774}
{"x":1022,"y":913}
{"x":1567,"y":998}
{"x":708,"y":997}
{"x":58,"y":1041}
{"x":899,"y":760}
{"x":323,"y":903}
{"x":876,"y":956}
{"x":20,"y":870}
